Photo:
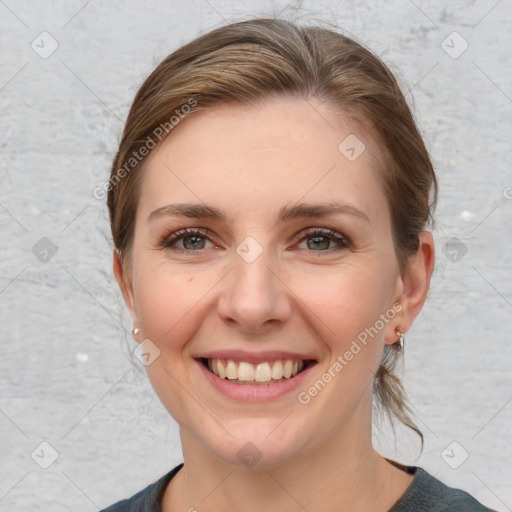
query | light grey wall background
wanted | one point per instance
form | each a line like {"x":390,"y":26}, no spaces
{"x":68,"y":72}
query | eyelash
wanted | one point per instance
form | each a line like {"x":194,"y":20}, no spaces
{"x":169,"y":241}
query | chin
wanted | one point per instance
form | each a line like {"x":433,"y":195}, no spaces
{"x":256,"y":446}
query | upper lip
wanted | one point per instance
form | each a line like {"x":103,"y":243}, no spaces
{"x":254,"y":357}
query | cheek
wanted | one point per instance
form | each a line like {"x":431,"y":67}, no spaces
{"x":170,"y":311}
{"x":345,"y":307}
{"x":171,"y":303}
{"x":345,"y":299}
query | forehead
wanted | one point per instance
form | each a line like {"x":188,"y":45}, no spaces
{"x":251,"y":160}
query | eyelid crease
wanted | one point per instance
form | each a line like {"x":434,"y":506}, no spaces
{"x":180,"y":233}
{"x":168,"y":240}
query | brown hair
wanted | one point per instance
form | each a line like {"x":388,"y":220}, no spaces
{"x":246,"y":62}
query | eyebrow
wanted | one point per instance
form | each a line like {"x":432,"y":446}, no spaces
{"x":286,"y":213}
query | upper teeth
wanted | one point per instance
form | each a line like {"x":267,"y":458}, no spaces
{"x":262,"y":372}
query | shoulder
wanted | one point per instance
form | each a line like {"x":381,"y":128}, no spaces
{"x":147,"y":500}
{"x":428,"y":494}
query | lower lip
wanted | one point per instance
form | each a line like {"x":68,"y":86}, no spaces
{"x":248,"y":393}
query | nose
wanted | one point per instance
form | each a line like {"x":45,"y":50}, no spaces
{"x":254,"y":297}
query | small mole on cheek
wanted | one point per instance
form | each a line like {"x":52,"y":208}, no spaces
{"x":190,"y":279}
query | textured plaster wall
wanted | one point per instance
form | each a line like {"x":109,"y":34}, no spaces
{"x":68,"y":72}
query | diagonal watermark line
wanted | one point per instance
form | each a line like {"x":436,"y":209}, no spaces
{"x":170,"y":170}
{"x":194,"y":305}
{"x":422,"y":78}
{"x":275,"y":428}
{"x":13,"y":13}
{"x":13,"y":217}
{"x":493,"y":287}
{"x":287,"y":6}
{"x":286,"y":491}
{"x":78,"y":78}
{"x":416,"y":415}
{"x":423,"y":280}
{"x":307,"y":192}
{"x":216,"y":487}
{"x":424,"y":14}
{"x":97,"y":402}
{"x":486,"y":14}
{"x":318,"y":112}
{"x":500,"y":409}
{"x":197,"y":401}
{"x":14,"y":76}
{"x":13,"y":279}
{"x":491,"y":80}
{"x":81,"y":490}
{"x":95,"y":300}
{"x":301,"y":300}
{"x":213,"y":8}
{"x":491,"y":212}
{"x":12,"y":421}
{"x":14,"y":485}
{"x":76,"y":217}
{"x":489,"y":488}
{"x":76,"y":14}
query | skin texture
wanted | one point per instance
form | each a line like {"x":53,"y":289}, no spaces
{"x":300,"y":295}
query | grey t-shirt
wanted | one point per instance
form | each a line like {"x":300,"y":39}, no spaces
{"x":424,"y":494}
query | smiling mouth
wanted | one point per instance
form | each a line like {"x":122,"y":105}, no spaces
{"x":261,"y":374}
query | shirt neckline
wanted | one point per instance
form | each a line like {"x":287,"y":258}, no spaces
{"x":155,"y":498}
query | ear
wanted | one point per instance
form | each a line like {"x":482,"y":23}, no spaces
{"x":125,"y":283}
{"x":414,"y":285}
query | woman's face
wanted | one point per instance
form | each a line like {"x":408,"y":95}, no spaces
{"x":288,"y":257}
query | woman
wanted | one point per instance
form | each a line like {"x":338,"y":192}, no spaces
{"x":268,"y":205}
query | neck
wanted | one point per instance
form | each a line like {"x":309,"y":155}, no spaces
{"x":344,"y":474}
